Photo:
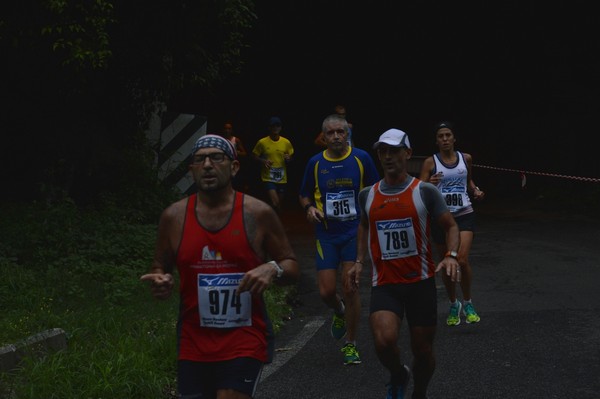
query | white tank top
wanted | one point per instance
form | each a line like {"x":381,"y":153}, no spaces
{"x":453,"y":185}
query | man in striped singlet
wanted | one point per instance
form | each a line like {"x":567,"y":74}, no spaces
{"x":398,"y":212}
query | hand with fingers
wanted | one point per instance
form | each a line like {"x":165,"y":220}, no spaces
{"x":314,"y":215}
{"x":452,"y":268}
{"x":161,"y":284}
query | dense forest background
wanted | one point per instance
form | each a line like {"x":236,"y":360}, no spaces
{"x":81,"y":78}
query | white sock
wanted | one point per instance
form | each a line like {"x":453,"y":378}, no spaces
{"x":342,"y":309}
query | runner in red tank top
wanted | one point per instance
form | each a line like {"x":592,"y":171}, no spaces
{"x":220,"y":240}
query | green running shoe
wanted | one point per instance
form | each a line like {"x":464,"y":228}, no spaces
{"x":454,"y":316}
{"x":471,"y":315}
{"x":338,"y":327}
{"x":351,"y":355}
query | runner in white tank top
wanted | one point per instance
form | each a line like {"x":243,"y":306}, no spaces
{"x":450,"y":171}
{"x":453,"y":183}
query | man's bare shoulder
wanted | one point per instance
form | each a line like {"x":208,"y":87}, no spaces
{"x":263,"y":226}
{"x":176,"y":210}
{"x":256,"y":206}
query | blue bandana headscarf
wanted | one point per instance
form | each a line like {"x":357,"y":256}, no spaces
{"x":215,"y":141}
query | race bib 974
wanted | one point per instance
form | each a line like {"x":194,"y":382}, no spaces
{"x":219,"y":304}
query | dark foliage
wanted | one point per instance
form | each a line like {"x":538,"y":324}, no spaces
{"x":80,"y":80}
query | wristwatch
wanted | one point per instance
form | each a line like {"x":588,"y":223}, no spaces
{"x":278,"y":268}
{"x":452,"y":254}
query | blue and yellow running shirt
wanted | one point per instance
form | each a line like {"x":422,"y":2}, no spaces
{"x":333,"y":185}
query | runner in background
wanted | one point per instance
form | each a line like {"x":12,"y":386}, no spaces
{"x":274,"y":152}
{"x":240,"y":181}
{"x":450,"y":171}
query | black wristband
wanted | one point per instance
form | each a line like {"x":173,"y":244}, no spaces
{"x":307,"y":206}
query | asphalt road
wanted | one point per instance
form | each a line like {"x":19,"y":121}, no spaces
{"x":536,"y":277}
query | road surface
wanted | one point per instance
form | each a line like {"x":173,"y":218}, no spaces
{"x":536,"y":277}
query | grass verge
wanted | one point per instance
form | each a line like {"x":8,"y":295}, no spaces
{"x":61,"y":267}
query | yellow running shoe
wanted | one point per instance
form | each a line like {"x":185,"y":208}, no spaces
{"x":351,"y":355}
{"x":471,"y":315}
{"x":454,"y":316}
{"x":338,"y":327}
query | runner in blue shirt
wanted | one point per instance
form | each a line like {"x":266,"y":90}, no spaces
{"x":329,"y":195}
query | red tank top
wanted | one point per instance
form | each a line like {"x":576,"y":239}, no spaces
{"x":215,"y":323}
{"x":398,"y":236}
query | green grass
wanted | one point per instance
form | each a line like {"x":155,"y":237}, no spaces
{"x":61,"y":267}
